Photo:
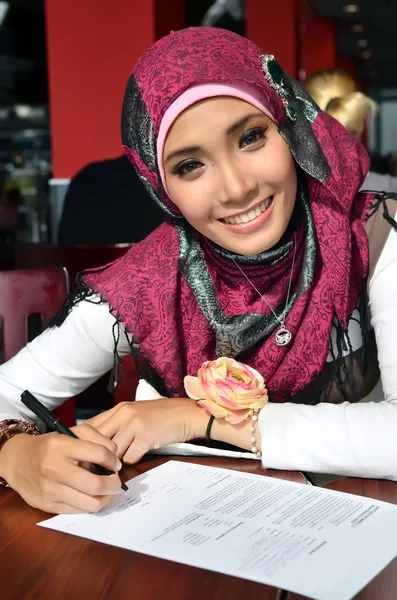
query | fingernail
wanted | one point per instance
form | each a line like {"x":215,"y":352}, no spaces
{"x":119,"y":465}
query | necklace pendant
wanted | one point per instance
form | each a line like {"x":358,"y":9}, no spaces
{"x":283,"y":336}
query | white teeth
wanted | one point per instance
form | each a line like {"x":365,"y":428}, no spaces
{"x":251,"y":215}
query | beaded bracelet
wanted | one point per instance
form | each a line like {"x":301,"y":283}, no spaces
{"x":254,"y":422}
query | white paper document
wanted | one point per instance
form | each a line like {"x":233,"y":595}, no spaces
{"x":320,"y":543}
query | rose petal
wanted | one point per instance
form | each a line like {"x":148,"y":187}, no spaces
{"x":238,"y":416}
{"x":213,"y":408}
{"x":193,"y":387}
{"x":220,"y":371}
{"x":210,"y":390}
{"x":223,"y":401}
{"x":245,"y":397}
{"x":260,"y":403}
{"x":225,"y":387}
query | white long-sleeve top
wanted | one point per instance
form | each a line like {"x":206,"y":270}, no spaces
{"x":348,"y":439}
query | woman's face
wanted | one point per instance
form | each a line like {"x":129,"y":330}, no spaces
{"x":231,"y":174}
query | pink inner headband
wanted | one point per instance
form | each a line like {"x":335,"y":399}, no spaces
{"x":199,"y":92}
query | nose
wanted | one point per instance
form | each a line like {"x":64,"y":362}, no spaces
{"x":235,"y":182}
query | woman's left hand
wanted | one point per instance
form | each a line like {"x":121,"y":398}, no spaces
{"x":137,"y":427}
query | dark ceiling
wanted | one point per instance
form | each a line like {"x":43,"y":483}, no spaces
{"x":374,"y":48}
{"x":367,"y":35}
{"x":23,"y":67}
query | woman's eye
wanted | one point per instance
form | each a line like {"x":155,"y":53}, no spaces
{"x":186,"y":167}
{"x":252,"y":136}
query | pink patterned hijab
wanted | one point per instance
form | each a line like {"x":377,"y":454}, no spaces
{"x":181,"y":298}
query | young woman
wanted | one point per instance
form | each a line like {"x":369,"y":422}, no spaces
{"x":267,"y":257}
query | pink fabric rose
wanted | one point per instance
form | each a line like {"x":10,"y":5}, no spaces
{"x":228,"y":389}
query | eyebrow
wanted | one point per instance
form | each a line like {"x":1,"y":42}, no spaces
{"x":241,"y":122}
{"x":232,"y":129}
{"x":182,"y":151}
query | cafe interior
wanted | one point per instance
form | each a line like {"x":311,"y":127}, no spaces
{"x":63,"y":71}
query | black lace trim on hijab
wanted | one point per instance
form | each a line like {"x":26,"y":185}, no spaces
{"x":144,"y":368}
{"x":381,"y":198}
{"x":343,"y":366}
{"x":342,"y":372}
{"x":80,"y":291}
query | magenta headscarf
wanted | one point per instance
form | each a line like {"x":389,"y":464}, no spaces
{"x":182,"y":300}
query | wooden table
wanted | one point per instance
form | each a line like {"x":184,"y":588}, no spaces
{"x":37,"y":563}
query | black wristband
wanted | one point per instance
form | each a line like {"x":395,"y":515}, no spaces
{"x":208,"y":430}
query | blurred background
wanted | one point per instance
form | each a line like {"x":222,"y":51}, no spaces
{"x":64,"y":66}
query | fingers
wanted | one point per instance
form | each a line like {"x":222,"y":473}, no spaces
{"x":122,"y":435}
{"x":80,"y":451}
{"x":129,"y":448}
{"x":89,"y":433}
{"x":111,"y":421}
{"x":53,"y":480}
{"x":135,"y":452}
{"x":89,"y":483}
{"x":102,"y":417}
{"x":123,"y":440}
{"x":110,"y":427}
{"x":97,"y":420}
{"x":74,"y":501}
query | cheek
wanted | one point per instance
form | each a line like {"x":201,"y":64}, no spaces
{"x":191,"y":201}
{"x":287,"y":170}
{"x":278,"y":165}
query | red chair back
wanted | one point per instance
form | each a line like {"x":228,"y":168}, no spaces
{"x":31,"y":292}
{"x":77,"y":258}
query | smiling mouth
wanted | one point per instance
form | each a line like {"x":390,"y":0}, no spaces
{"x":249,"y":215}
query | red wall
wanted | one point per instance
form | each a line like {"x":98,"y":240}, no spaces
{"x":318,"y":45}
{"x":274,"y":27}
{"x":92,"y":46}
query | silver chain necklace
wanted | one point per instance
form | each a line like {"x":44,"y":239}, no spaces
{"x":283,"y":335}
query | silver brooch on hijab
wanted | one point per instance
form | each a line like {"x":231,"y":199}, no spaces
{"x":276,"y":78}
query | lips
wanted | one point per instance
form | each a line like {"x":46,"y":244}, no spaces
{"x":250,"y":215}
{"x":250,"y":225}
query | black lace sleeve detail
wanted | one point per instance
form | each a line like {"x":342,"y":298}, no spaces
{"x":380,"y":199}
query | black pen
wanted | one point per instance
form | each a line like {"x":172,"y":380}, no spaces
{"x":55,"y":424}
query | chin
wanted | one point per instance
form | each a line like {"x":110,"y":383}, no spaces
{"x":249,"y":244}
{"x":251,"y":247}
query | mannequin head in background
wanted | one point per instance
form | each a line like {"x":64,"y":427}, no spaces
{"x":335,"y":91}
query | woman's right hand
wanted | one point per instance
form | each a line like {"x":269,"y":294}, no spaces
{"x":46,"y":470}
